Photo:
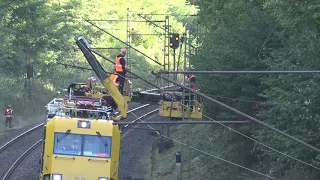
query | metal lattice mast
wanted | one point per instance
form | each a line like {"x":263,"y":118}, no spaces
{"x":189,"y":41}
{"x":184,"y":67}
{"x":128,"y":37}
{"x":166,"y":49}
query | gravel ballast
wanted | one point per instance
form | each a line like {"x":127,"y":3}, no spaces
{"x":13,"y":152}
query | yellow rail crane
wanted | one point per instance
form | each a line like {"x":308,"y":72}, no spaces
{"x":80,"y":141}
{"x":119,"y":99}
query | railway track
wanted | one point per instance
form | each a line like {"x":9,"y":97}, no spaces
{"x":9,"y":151}
{"x":30,"y":140}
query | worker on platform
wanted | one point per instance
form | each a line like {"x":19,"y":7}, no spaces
{"x":121,"y":68}
{"x":9,"y":116}
{"x":190,"y":80}
{"x":114,"y":78}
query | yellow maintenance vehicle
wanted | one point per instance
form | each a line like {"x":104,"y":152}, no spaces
{"x":80,"y":142}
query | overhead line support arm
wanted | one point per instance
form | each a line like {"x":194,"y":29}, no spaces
{"x":184,"y":122}
{"x":241,"y":72}
{"x":119,"y":20}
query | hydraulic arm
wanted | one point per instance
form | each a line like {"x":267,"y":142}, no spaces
{"x":104,"y":77}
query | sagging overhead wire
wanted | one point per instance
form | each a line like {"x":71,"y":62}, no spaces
{"x":243,"y":100}
{"x":250,"y":138}
{"x":204,"y":152}
{"x":225,"y":125}
{"x":284,"y":154}
{"x":124,"y":43}
{"x":277,"y":151}
{"x":242,"y":114}
{"x":103,"y":57}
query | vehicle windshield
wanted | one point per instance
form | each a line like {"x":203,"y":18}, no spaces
{"x":82,"y":145}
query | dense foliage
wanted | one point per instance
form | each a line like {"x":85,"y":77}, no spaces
{"x":235,"y":35}
{"x":263,"y":35}
{"x":42,"y":33}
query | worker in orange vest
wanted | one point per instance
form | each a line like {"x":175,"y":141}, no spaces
{"x":115,"y":79}
{"x":9,"y":116}
{"x":121,"y":69}
{"x":191,"y":80}
{"x":191,"y":83}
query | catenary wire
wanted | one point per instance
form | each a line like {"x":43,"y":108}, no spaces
{"x":253,"y":140}
{"x":284,"y":154}
{"x":204,"y":152}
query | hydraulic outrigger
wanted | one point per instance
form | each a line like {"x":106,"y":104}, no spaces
{"x":104,"y":77}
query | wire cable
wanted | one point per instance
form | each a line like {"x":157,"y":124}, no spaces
{"x":282,"y":153}
{"x":204,"y":152}
{"x":243,"y":114}
{"x":235,"y":99}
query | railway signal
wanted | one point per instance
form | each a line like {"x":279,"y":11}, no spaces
{"x":174,"y":41}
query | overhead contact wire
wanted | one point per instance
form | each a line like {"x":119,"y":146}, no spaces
{"x":281,"y":153}
{"x":204,"y":152}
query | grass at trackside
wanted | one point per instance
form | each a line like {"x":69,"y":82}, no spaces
{"x":19,"y":122}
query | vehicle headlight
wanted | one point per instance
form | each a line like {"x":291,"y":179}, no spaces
{"x":47,"y":177}
{"x":102,"y":178}
{"x":56,"y":176}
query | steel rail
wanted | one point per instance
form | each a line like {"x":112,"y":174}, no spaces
{"x":137,"y":108}
{"x":19,"y":160}
{"x":135,"y":121}
{"x":5,"y":146}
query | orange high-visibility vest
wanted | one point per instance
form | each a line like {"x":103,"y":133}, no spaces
{"x":119,"y":67}
{"x":9,"y":113}
{"x":114,"y":79}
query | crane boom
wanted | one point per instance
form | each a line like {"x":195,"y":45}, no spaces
{"x":104,"y":77}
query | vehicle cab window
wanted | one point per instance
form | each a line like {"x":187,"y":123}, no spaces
{"x":97,"y":146}
{"x":68,"y":144}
